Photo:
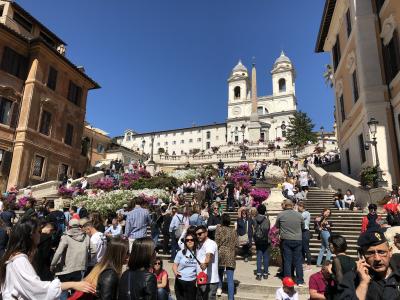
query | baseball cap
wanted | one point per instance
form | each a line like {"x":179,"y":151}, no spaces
{"x":288,"y":282}
{"x":73,"y":223}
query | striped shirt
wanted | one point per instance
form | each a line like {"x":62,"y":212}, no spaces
{"x":136,"y":223}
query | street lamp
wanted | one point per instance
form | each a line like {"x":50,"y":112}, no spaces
{"x":372,"y":125}
{"x":243,"y":157}
{"x":322,"y":137}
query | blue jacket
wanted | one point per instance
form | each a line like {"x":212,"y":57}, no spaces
{"x":241,"y":229}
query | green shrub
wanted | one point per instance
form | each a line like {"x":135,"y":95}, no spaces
{"x":368,"y":177}
{"x":159,"y":182}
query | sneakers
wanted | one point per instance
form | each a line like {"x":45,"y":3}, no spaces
{"x":219,"y":292}
{"x":246,"y":259}
{"x":258,"y":277}
{"x":265,"y":276}
{"x":301,"y":284}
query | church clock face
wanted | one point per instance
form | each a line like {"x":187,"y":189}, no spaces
{"x":237,"y":110}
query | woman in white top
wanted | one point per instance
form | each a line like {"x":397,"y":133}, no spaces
{"x":19,"y":280}
{"x":349,"y":200}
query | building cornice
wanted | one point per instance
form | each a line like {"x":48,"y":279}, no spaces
{"x":325,"y":24}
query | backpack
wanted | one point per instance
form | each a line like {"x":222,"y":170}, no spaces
{"x":180,"y":228}
{"x":261,"y":231}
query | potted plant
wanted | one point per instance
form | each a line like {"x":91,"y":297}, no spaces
{"x":275,"y":254}
{"x":368,"y":177}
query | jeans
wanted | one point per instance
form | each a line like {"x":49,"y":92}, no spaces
{"x":162,"y":294}
{"x":292,"y":256}
{"x":340,"y":204}
{"x":262,"y":259}
{"x":325,"y":234}
{"x":229,"y":278}
{"x":207,"y":291}
{"x":174,"y":245}
{"x":221,"y":172}
{"x":155,"y":233}
{"x":229,"y":203}
{"x":306,"y":247}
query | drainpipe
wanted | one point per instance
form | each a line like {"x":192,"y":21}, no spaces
{"x":390,"y":100}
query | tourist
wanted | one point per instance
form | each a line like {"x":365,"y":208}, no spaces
{"x":3,"y":238}
{"x":178,"y":223}
{"x":287,"y":291}
{"x":370,"y":221}
{"x":97,"y":220}
{"x":287,"y":189}
{"x":105,"y":275}
{"x":155,"y":225}
{"x":71,"y":257}
{"x":44,"y":253}
{"x":349,"y":200}
{"x":138,"y":282}
{"x":98,"y":243}
{"x":137,"y":220}
{"x":167,"y":218}
{"x":323,"y":227}
{"x":291,"y":224}
{"x":230,"y":192}
{"x":29,"y":210}
{"x":341,"y":264}
{"x":244,"y":229}
{"x":18,"y":278}
{"x":56,"y":217}
{"x":338,"y":199}
{"x":184,"y":268}
{"x":8,"y":214}
{"x":303,"y":180}
{"x":261,"y":231}
{"x":162,"y":279}
{"x":207,"y":255}
{"x":393,"y":216}
{"x":306,"y":235}
{"x":319,"y":281}
{"x":195,"y":218}
{"x":226,"y":239}
{"x":73,"y":212}
{"x":213,"y":221}
{"x":221,"y":172}
{"x":114,"y":230}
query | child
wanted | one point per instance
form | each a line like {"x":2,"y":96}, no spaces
{"x":287,"y":292}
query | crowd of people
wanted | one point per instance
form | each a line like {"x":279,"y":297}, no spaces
{"x":81,"y":254}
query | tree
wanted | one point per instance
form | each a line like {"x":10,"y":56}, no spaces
{"x":328,"y":75}
{"x":300,"y":130}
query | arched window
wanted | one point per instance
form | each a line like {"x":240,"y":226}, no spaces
{"x":236,"y":92}
{"x":260,"y":110}
{"x":282,"y":85}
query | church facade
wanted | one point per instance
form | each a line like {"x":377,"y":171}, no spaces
{"x":250,"y":118}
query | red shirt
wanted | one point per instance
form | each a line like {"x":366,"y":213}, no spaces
{"x":75,"y":216}
{"x":318,"y":282}
{"x":160,"y":276}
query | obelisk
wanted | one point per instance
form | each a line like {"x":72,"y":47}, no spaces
{"x":254,"y":126}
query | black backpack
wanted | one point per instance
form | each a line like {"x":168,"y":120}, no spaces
{"x":261,"y":231}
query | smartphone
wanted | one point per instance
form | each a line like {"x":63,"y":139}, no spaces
{"x":360,"y":254}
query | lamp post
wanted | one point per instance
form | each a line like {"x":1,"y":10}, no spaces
{"x":322,"y":137}
{"x":372,"y":125}
{"x":243,"y":157}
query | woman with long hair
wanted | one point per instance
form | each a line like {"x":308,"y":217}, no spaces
{"x":244,"y":229}
{"x":18,"y":278}
{"x":184,"y":268}
{"x":226,"y":239}
{"x":324,"y":227}
{"x":162,"y":279}
{"x":105,"y":275}
{"x":97,"y":221}
{"x":138,"y":283}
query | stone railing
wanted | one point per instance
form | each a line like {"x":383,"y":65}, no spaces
{"x":337,"y":180}
{"x":233,"y":156}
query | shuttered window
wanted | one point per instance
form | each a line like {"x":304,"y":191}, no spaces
{"x":14,"y":63}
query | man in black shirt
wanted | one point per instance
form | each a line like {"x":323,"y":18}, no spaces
{"x":230,"y":189}
{"x":221,"y":168}
{"x":56,"y":217}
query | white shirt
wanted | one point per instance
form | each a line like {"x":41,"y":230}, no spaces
{"x":303,"y":178}
{"x":289,"y":187}
{"x":209,"y":246}
{"x":349,"y":198}
{"x":281,"y":295}
{"x":23,"y":283}
{"x":1,"y":206}
{"x":114,"y":231}
{"x":98,"y":247}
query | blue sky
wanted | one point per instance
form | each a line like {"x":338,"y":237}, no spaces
{"x":163,"y":64}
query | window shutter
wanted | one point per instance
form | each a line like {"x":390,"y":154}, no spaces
{"x":15,"y":115}
{"x":6,"y":163}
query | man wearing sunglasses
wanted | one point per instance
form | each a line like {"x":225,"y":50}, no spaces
{"x":207,"y":255}
{"x":378,"y":269}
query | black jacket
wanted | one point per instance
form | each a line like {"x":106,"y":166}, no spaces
{"x":137,"y":285}
{"x":107,"y":285}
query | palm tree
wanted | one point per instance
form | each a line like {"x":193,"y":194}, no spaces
{"x":328,"y":75}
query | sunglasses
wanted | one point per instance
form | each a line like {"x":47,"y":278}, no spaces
{"x":157,"y":264}
{"x":189,"y":240}
{"x":200,"y":233}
